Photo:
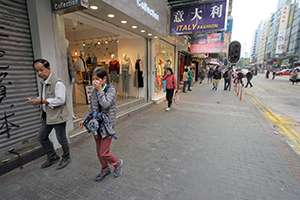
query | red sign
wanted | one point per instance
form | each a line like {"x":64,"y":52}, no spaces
{"x":275,"y":63}
{"x":208,"y":58}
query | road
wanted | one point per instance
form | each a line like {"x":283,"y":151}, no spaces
{"x":279,"y":101}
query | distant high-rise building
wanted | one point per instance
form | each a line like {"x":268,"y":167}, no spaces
{"x":281,"y":3}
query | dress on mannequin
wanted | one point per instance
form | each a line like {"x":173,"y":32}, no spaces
{"x":159,"y":77}
{"x":125,"y":70}
{"x":114,"y":70}
{"x":138,"y":74}
{"x":81,"y":66}
{"x":138,"y":80}
{"x":94,"y":59}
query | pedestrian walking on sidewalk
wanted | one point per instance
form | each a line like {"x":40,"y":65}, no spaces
{"x":249,"y":76}
{"x":201,"y":75}
{"x":209,"y":75}
{"x":294,"y":77}
{"x":103,"y":97}
{"x":54,"y":113}
{"x":185,"y":78}
{"x":190,"y":79}
{"x":240,"y":77}
{"x":227,"y":78}
{"x":216,"y":78}
{"x":171,"y":85}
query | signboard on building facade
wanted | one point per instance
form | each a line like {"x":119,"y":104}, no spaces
{"x":68,"y":6}
{"x":202,"y":17}
{"x":282,"y":29}
{"x":207,"y":43}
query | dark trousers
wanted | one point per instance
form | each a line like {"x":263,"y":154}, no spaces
{"x":184,"y":85}
{"x":43,"y":137}
{"x":226,"y":83}
{"x":249,"y":82}
{"x":240,"y":81}
{"x":169,"y":96}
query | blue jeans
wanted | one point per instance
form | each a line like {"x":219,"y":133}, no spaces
{"x":189,"y":85}
{"x":43,"y":137}
{"x":184,"y":85}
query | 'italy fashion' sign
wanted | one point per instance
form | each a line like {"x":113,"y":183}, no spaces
{"x":202,"y":17}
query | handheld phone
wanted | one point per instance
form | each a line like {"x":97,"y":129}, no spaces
{"x":29,"y":98}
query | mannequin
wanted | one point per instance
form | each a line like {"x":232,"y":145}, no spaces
{"x":159,"y":78}
{"x":138,"y":80}
{"x":125,"y":70}
{"x":72,"y":73}
{"x":114,"y":70}
{"x":94,"y":59}
{"x":167,"y":65}
{"x":81,"y":65}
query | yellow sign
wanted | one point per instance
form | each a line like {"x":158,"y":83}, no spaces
{"x":198,"y":59}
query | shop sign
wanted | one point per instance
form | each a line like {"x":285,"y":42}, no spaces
{"x":145,"y":8}
{"x":275,"y":63}
{"x":229,"y":25}
{"x":68,"y":6}
{"x":202,"y":17}
{"x":198,"y":59}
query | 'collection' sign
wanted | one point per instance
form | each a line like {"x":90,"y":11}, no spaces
{"x":67,"y":6}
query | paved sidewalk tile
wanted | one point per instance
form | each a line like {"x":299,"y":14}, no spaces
{"x":210,"y":146}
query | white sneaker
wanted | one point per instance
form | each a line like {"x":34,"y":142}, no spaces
{"x":168,"y":109}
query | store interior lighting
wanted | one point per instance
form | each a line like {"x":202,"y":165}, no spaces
{"x":111,"y":15}
{"x":94,"y":7}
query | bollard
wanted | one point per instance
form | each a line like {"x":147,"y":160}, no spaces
{"x":238,"y":90}
{"x":241,"y":94}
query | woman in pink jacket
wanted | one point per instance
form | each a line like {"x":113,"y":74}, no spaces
{"x":171,"y":85}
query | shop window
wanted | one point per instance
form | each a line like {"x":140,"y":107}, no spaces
{"x":164,"y":58}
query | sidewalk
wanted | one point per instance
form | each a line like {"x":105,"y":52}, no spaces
{"x":210,"y":146}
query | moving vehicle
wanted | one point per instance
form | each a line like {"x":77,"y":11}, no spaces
{"x":284,"y":72}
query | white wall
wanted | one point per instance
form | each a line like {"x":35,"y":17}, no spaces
{"x":132,"y":47}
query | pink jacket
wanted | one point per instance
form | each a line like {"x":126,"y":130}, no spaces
{"x":170,"y":83}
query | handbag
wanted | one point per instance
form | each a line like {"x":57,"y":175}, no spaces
{"x":92,"y":122}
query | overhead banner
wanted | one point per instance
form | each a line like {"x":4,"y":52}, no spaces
{"x":202,"y":17}
{"x":207,"y":43}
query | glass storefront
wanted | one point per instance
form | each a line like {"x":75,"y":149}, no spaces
{"x":164,"y":58}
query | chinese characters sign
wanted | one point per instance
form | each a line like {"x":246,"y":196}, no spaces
{"x":202,"y":17}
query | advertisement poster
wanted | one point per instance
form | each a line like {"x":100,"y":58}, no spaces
{"x":202,"y":17}
{"x":207,"y":43}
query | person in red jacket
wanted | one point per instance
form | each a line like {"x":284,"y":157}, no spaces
{"x":171,"y":85}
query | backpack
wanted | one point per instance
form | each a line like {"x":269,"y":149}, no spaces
{"x":225,"y":75}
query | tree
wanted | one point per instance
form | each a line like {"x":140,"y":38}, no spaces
{"x":243,"y":62}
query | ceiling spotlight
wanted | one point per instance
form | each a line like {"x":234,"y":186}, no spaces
{"x":143,"y":31}
{"x":155,"y":37}
{"x":76,"y":53}
{"x":106,"y":41}
{"x":94,"y":7}
{"x":98,"y":42}
{"x":111,"y":15}
{"x":83,"y":44}
{"x":134,"y":26}
{"x":149,"y":34}
{"x":123,"y":22}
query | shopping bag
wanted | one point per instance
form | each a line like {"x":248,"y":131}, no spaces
{"x":176,"y":98}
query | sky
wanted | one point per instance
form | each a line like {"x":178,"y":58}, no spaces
{"x":247,"y":14}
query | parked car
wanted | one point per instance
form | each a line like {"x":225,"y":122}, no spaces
{"x":284,"y":72}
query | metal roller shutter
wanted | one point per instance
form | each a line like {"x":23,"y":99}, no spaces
{"x":19,"y":122}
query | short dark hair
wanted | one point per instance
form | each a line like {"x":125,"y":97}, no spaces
{"x":100,"y":72}
{"x":186,"y":69}
{"x":45,"y":62}
{"x":170,"y":69}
